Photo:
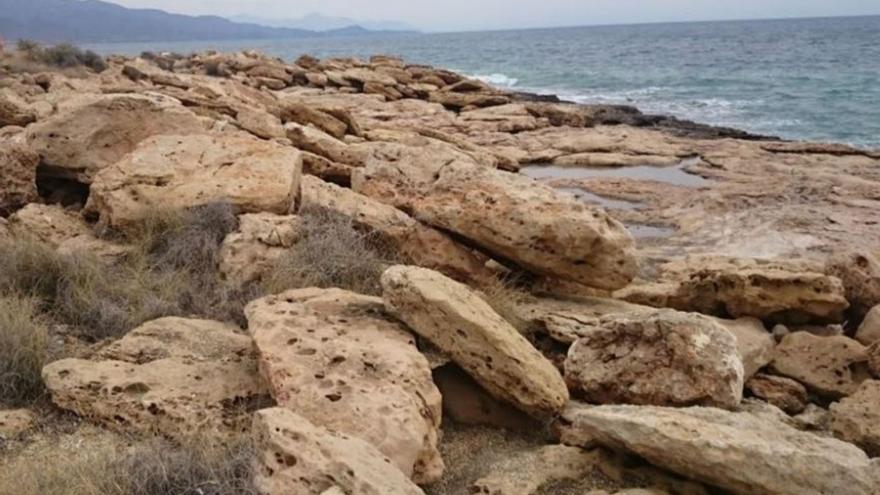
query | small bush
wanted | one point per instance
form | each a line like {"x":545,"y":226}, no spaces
{"x":63,"y":55}
{"x":27,"y":46}
{"x":332,"y":252}
{"x":504,"y":296}
{"x":23,"y":339}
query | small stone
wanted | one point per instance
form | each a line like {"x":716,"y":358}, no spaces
{"x":784,"y":393}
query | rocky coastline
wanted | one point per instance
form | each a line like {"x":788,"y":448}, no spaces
{"x":570,"y":298}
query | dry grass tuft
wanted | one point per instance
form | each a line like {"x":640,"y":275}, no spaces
{"x":332,"y":252}
{"x":23,"y":339}
{"x":504,"y":296}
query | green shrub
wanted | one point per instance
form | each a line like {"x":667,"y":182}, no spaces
{"x":23,"y":339}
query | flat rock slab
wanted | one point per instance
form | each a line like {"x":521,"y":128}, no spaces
{"x":185,"y":171}
{"x":175,"y":376}
{"x":832,"y":367}
{"x":336,"y":358}
{"x":527,"y":472}
{"x":298,"y":457}
{"x":735,"y":451}
{"x":460,"y":323}
{"x":508,"y":215}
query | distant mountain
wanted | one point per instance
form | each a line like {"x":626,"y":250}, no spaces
{"x":318,"y":22}
{"x":84,"y":21}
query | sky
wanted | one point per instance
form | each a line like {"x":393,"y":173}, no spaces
{"x":462,"y":15}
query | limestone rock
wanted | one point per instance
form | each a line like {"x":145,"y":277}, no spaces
{"x":175,"y":376}
{"x":869,"y":330}
{"x":316,"y":141}
{"x":664,"y":358}
{"x":335,"y":358}
{"x":81,"y":140}
{"x":460,"y":323}
{"x":526,"y":473}
{"x":782,"y":292}
{"x":262,"y":238}
{"x":860,"y":273}
{"x":734,"y":451}
{"x":51,"y":224}
{"x":295,"y":111}
{"x":260,"y":123}
{"x":422,"y":245}
{"x":874,"y":359}
{"x":297,"y":457}
{"x":185,"y":171}
{"x":856,"y":418}
{"x":510,"y":215}
{"x":832,"y":367}
{"x":14,"y":111}
{"x":15,"y":422}
{"x":755,"y":344}
{"x":18,"y":177}
{"x":784,"y":393}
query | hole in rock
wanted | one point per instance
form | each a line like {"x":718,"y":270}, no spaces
{"x":57,"y":190}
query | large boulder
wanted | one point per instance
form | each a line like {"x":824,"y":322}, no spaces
{"x":261,"y":239}
{"x":832,"y":367}
{"x":665,"y":358}
{"x":186,"y":171}
{"x":84,"y":138}
{"x":422,"y":245}
{"x":739,"y":452}
{"x":461,"y":324}
{"x":294,"y":456}
{"x":334,"y":357}
{"x":856,"y":418}
{"x":18,"y":177}
{"x":176,"y":376}
{"x":776,"y":291}
{"x":507,"y":214}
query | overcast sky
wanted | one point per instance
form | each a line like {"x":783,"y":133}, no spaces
{"x":449,"y":15}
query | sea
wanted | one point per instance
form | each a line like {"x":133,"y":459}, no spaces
{"x":806,"y":79}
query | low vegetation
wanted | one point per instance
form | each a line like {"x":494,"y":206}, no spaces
{"x":63,"y":55}
{"x":504,"y":296}
{"x":23,"y":337}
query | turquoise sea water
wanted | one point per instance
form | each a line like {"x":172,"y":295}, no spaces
{"x":816,"y":79}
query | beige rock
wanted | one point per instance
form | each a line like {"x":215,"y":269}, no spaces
{"x":832,"y":367}
{"x":18,"y":177}
{"x":458,"y":101}
{"x":527,"y":472}
{"x":738,"y":452}
{"x":755,"y":344}
{"x":860,"y":273}
{"x":874,"y":359}
{"x":49,"y":223}
{"x":856,"y":418}
{"x":15,"y":111}
{"x":260,"y":123}
{"x":295,"y":111}
{"x":316,"y":141}
{"x":185,"y":171}
{"x":297,"y":457}
{"x":15,"y":422}
{"x":247,"y":254}
{"x":99,"y":130}
{"x":422,"y":245}
{"x":334,"y":357}
{"x":175,"y":376}
{"x":869,"y":330}
{"x":664,"y":358}
{"x":364,"y":76}
{"x":461,"y":323}
{"x":545,"y":231}
{"x":784,"y":393}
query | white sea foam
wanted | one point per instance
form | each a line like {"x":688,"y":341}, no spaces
{"x":497,"y":80}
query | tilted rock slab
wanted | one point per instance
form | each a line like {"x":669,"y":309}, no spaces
{"x":461,"y":324}
{"x":856,"y":418}
{"x":298,"y":457}
{"x":175,"y":376}
{"x":99,"y":130}
{"x":185,"y":171}
{"x":832,"y":367}
{"x":735,"y":451}
{"x":508,"y":215}
{"x":336,"y":358}
{"x":422,"y":245}
{"x":665,"y":358}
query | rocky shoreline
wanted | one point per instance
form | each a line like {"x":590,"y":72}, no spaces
{"x":572,"y":298}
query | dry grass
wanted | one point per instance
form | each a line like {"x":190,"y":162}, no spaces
{"x":62,"y":55}
{"x":504,"y":296}
{"x":104,"y":466}
{"x":23,"y":339}
{"x":332,"y":252}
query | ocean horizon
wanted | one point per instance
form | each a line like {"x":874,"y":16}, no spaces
{"x":805,"y":79}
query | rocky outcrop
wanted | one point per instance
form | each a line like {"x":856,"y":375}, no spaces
{"x":869,"y":330}
{"x":526,"y":473}
{"x":775,"y":291}
{"x":18,"y":177}
{"x":296,"y":456}
{"x":784,"y":393}
{"x":175,"y":376}
{"x":738,"y":452}
{"x":335,"y":358}
{"x":95,"y":131}
{"x":508,"y":215}
{"x":665,"y":358}
{"x":247,"y":254}
{"x":15,"y":111}
{"x":461,"y":324}
{"x":832,"y":367}
{"x":860,"y":273}
{"x":416,"y":242}
{"x":856,"y":418}
{"x":64,"y":230}
{"x":185,"y":171}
